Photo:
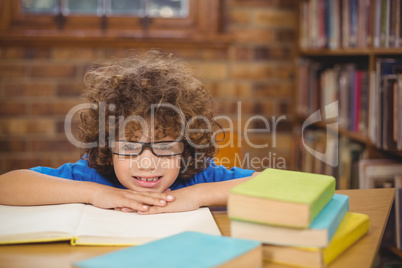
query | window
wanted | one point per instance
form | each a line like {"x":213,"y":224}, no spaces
{"x":134,"y":8}
{"x":91,"y":21}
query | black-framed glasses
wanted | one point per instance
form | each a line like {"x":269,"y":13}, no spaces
{"x":134,"y":148}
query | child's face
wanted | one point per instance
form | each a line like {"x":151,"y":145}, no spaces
{"x":147,"y":172}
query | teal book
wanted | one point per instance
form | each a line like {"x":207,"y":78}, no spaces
{"x":187,"y":249}
{"x":281,"y":197}
{"x":319,"y":233}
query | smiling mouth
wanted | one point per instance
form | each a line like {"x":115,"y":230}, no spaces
{"x":148,"y":179}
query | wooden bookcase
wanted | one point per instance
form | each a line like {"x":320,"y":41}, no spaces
{"x":353,"y":39}
{"x":324,"y":27}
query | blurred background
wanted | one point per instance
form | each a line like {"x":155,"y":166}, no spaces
{"x":242,"y":50}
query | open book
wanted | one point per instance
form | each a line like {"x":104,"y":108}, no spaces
{"x":88,"y":225}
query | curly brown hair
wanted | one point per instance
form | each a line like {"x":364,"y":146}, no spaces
{"x":131,"y":87}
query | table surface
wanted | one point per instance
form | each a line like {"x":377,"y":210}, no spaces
{"x":376,"y":203}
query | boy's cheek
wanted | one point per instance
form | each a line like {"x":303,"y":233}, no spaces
{"x":167,"y":163}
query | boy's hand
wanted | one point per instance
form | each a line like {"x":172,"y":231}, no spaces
{"x":185,"y":199}
{"x":128,"y":200}
{"x":196,"y":196}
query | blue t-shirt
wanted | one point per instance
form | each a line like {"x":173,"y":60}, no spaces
{"x":80,"y":171}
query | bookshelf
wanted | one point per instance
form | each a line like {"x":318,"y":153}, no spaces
{"x":342,"y":50}
{"x":350,"y":53}
{"x":369,"y":52}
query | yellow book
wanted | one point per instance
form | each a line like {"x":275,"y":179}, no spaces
{"x":88,"y":225}
{"x":351,"y":229}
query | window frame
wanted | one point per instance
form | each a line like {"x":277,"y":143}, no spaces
{"x":203,"y":25}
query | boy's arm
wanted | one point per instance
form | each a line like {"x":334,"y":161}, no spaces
{"x":199,"y":195}
{"x":27,"y":187}
{"x":217,"y":193}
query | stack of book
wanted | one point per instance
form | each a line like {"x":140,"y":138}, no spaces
{"x":296,"y":215}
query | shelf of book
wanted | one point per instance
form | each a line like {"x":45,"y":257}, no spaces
{"x":337,"y":24}
{"x":371,"y":151}
{"x":359,"y":71}
{"x":358,"y":137}
{"x":351,"y":51}
{"x":349,"y":64}
{"x":367,"y":94}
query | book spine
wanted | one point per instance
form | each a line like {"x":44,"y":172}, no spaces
{"x":353,"y":20}
{"x":372,"y":123}
{"x":361,"y":23}
{"x":399,"y":113}
{"x":304,"y":16}
{"x":336,"y":24}
{"x":345,"y":23}
{"x":377,"y":23}
{"x":384,"y":23}
{"x":400,"y":24}
{"x":370,"y":22}
{"x":358,"y":80}
{"x":390,"y":82}
{"x":321,"y":23}
{"x":397,"y":11}
{"x":303,"y":86}
{"x":314,"y":23}
{"x":364,"y":104}
{"x":352,"y":101}
{"x":392,"y":23}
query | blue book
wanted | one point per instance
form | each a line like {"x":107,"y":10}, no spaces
{"x":187,"y":249}
{"x":318,"y":234}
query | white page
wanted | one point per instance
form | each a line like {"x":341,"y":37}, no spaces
{"x":133,"y":228}
{"x":29,"y":220}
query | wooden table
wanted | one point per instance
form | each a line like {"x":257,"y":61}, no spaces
{"x":376,"y":203}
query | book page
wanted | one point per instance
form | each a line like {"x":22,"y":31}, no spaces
{"x":20,"y":224}
{"x":101,"y":226}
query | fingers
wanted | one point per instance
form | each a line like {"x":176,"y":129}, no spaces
{"x":163,"y":197}
{"x":154,"y":199}
{"x":131,"y":201}
{"x":142,"y":201}
{"x":154,"y":210}
{"x":127,"y":210}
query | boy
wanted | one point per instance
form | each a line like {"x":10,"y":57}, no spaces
{"x":148,"y":143}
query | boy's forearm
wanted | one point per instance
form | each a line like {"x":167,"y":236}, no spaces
{"x":217,"y":193}
{"x":26,"y":187}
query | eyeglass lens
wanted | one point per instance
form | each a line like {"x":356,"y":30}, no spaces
{"x":168,"y":148}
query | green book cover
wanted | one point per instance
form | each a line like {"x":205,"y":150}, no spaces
{"x":290,"y":186}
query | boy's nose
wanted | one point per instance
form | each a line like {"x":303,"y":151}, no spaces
{"x":147,"y":160}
